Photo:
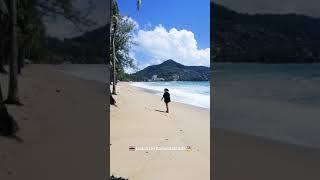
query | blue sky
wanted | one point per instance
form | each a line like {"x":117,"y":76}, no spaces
{"x":181,"y":14}
{"x":177,"y":21}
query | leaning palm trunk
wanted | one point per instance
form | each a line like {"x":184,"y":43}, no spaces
{"x":114,"y":69}
{"x":2,"y":57}
{"x":13,"y":75}
{"x":2,"y":105}
{"x":21,"y":57}
{"x":3,"y":22}
{"x":114,"y":61}
{"x":114,"y":22}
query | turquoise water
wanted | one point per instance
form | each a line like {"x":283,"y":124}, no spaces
{"x":276,"y":101}
{"x":196,"y":93}
{"x":293,"y":83}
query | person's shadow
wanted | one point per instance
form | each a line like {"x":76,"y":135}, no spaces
{"x":159,"y":111}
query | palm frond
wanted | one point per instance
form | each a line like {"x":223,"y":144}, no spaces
{"x":138,"y":4}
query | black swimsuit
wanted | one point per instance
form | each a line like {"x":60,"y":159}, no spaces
{"x":166,"y":97}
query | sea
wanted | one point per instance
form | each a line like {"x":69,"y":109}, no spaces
{"x":196,"y":93}
{"x":275,"y":101}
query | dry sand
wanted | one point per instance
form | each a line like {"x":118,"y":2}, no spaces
{"x":278,"y":126}
{"x":246,"y":157}
{"x":138,"y":121}
{"x":64,"y":132}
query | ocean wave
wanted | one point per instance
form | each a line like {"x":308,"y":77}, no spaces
{"x":192,"y":93}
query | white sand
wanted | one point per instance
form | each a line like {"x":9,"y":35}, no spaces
{"x":137,"y":121}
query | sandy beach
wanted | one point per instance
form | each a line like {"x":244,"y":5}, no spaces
{"x":63,"y":125}
{"x":64,"y":128}
{"x":246,"y":157}
{"x":138,"y":121}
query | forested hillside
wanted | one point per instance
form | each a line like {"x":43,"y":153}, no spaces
{"x":89,"y":48}
{"x":266,"y":38}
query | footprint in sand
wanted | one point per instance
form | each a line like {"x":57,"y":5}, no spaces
{"x":181,"y":135}
{"x":9,"y":172}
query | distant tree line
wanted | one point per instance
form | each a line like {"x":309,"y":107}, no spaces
{"x":263,"y":38}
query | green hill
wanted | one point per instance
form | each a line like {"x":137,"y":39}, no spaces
{"x":171,"y":70}
{"x":88,"y":48}
{"x":266,"y":38}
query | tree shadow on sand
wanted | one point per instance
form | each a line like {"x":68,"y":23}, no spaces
{"x":15,"y":138}
{"x":117,"y":178}
{"x":8,"y":126}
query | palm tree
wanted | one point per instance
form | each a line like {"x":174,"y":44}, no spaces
{"x":4,"y":14}
{"x":25,"y":26}
{"x":113,"y":29}
{"x":13,"y":97}
{"x":3,"y":18}
{"x":7,"y":125}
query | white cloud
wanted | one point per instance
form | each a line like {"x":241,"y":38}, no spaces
{"x":160,"y":44}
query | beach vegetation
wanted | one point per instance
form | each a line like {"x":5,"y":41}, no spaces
{"x":263,"y":38}
{"x":121,"y":41}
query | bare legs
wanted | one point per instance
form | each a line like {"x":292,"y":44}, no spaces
{"x":167,"y":106}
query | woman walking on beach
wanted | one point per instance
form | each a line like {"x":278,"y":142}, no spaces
{"x":166,"y":97}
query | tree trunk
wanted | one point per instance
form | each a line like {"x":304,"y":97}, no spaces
{"x":2,"y":57}
{"x":114,"y":58}
{"x":21,"y":57}
{"x":7,"y":51}
{"x":13,"y":75}
{"x":114,"y":69}
{"x":1,"y":98}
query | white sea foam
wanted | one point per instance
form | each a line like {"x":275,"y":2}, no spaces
{"x":187,"y":92}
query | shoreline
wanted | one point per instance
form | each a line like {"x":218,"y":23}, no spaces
{"x":150,"y":91}
{"x":139,"y":120}
{"x":154,"y":92}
